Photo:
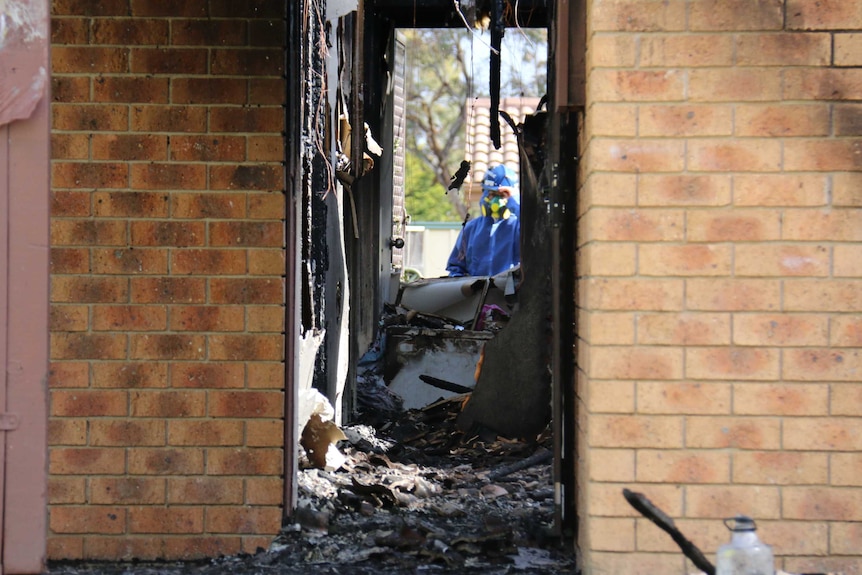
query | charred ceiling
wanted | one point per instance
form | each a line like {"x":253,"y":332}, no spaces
{"x":444,"y":13}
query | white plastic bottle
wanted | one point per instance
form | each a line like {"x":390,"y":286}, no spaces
{"x":746,"y":554}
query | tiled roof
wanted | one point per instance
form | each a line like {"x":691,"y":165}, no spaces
{"x":480,"y":151}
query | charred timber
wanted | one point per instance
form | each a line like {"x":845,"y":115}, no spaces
{"x":442,"y":14}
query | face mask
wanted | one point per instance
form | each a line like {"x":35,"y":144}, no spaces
{"x":495,"y":207}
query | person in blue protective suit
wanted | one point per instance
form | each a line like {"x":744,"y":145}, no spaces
{"x":490,"y":244}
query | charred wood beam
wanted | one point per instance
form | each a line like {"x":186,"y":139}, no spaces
{"x":498,"y":30}
{"x":442,"y":13}
{"x":445,"y":385}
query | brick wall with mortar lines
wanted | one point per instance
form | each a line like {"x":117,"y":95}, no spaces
{"x":720,"y":290}
{"x":167,"y":262}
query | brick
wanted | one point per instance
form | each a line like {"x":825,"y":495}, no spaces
{"x":609,"y":328}
{"x":846,"y":469}
{"x":614,"y":120}
{"x":252,"y":9}
{"x":611,"y":534}
{"x":823,"y":155}
{"x":780,"y":329}
{"x":79,"y":346}
{"x":732,"y":294}
{"x":267,"y":206}
{"x":155,"y":176}
{"x":619,"y":362}
{"x":82,"y":403}
{"x":265,"y":148}
{"x":89,"y":175}
{"x":709,"y":534}
{"x":246,"y":404}
{"x":66,"y":490}
{"x":168,"y":404}
{"x":813,"y":225}
{"x":246,"y":177}
{"x":168,"y":119}
{"x":780,"y":468}
{"x":846,"y":189}
{"x":845,"y":538}
{"x":610,"y":85}
{"x":70,"y":204}
{"x":786,"y":120}
{"x":246,"y":233}
{"x":644,"y":295}
{"x":779,"y":190}
{"x":247,"y":291}
{"x":129,"y":147}
{"x":684,"y":260}
{"x":208,"y":32}
{"x":156,"y":8}
{"x":88,"y":232}
{"x":819,"y":562}
{"x":205,"y":490}
{"x":264,"y":491}
{"x":176,"y":61}
{"x":611,"y":259}
{"x":241,"y":461}
{"x":68,"y":374}
{"x":667,"y":466}
{"x":255,"y":120}
{"x":825,"y":84}
{"x":207,"y":205}
{"x":209,"y":375}
{"x":126,"y":490}
{"x":796,"y":537}
{"x":167,"y":233}
{"x":82,"y":519}
{"x":640,"y":155}
{"x":846,"y":331}
{"x":166,"y":461}
{"x":683,"y":397}
{"x":788,"y":49}
{"x":244,"y":519}
{"x":208,"y":90}
{"x":738,"y":225}
{"x":605,"y":500}
{"x":207,"y":318}
{"x":266,"y":262}
{"x":171,"y":290}
{"x":684,"y":120}
{"x":69,"y":318}
{"x":683,"y":190}
{"x":89,"y":60}
{"x":612,"y":465}
{"x":268,"y":92}
{"x":686,"y":51}
{"x":754,"y":260}
{"x":848,"y":49}
{"x":127,"y":433}
{"x":65,"y":548}
{"x":606,"y":189}
{"x":822,"y":503}
{"x":734,"y":84}
{"x":608,"y":50}
{"x":205,"y":432}
{"x":748,"y":155}
{"x":780,"y":399}
{"x":125,"y":203}
{"x":822,"y":364}
{"x":110,"y":548}
{"x":130,"y":375}
{"x":205,"y":547}
{"x":715,"y":501}
{"x":167,"y":346}
{"x":736,"y":15}
{"x":70,"y":146}
{"x":637,"y":563}
{"x":208,"y":261}
{"x":246,"y":347}
{"x":264,"y":433}
{"x":821,"y":434}
{"x":826,"y":15}
{"x":89,"y":289}
{"x":847,"y":119}
{"x":130,"y":261}
{"x":266,"y":375}
{"x":86,"y":461}
{"x":269,"y":32}
{"x":69,"y":90}
{"x":640,"y":15}
{"x":721,"y":363}
{"x":67,"y":432}
{"x":90,"y":8}
{"x":69,"y":31}
{"x":208,"y":148}
{"x":635,"y":225}
{"x":611,"y":397}
{"x":136,"y":89}
{"x":265,"y":319}
{"x":732,"y":432}
{"x":635,"y":431}
{"x":247,"y":62}
{"x":814,"y":295}
{"x":165,"y":520}
{"x":130,"y":31}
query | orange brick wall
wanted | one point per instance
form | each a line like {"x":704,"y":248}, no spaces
{"x":167,"y":379}
{"x":720,"y":291}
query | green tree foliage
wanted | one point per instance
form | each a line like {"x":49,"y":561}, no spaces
{"x":426,"y":200}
